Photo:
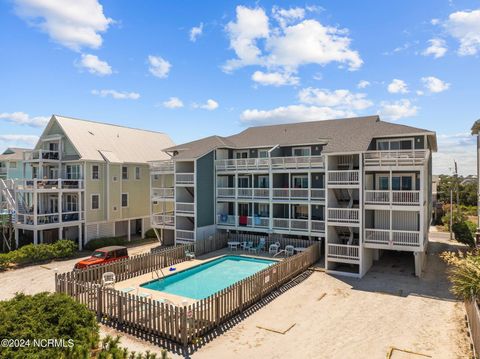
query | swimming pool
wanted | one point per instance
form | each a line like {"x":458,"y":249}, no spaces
{"x":206,"y":279}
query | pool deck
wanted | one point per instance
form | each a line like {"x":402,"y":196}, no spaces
{"x":136,"y":282}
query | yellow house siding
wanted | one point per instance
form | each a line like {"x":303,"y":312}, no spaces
{"x":138,"y":192}
{"x":95,"y":187}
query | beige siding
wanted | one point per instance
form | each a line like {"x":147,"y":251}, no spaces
{"x":138,"y":192}
{"x":93,"y":187}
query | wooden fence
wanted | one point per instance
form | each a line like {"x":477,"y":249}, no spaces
{"x":183,"y":324}
{"x":129,"y":267}
{"x":473,"y":315}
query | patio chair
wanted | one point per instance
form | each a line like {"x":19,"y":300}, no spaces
{"x":259,"y":247}
{"x":247,"y":245}
{"x":289,"y":250}
{"x":273,"y":249}
{"x":108,"y":279}
{"x":189,"y":255}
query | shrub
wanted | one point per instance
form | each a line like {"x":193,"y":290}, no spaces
{"x":4,"y":261}
{"x":104,"y":242}
{"x":47,"y":316}
{"x":463,"y":233}
{"x":150,"y":233}
{"x":464,"y":273}
{"x":64,"y":248}
{"x":456,"y":219}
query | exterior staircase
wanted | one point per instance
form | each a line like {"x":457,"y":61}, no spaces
{"x":7,"y":214}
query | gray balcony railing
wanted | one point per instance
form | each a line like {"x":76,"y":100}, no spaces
{"x":253,"y":164}
{"x":395,"y":158}
{"x":411,"y":198}
{"x":42,"y":155}
{"x":49,"y":184}
{"x":385,"y":237}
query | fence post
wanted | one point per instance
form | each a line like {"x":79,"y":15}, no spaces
{"x":99,"y":302}
{"x":183,"y":317}
{"x":217,"y":310}
{"x":240,"y":299}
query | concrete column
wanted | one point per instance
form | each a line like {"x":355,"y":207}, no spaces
{"x":143,"y":228}
{"x":16,"y":238}
{"x":129,"y":235}
{"x":60,"y":232}
{"x":80,"y":237}
{"x":35,"y":237}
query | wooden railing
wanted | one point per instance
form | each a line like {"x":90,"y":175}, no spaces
{"x":185,"y":323}
{"x":273,"y":162}
{"x":473,"y":316}
{"x":184,"y":178}
{"x":343,"y":215}
{"x":343,"y":251}
{"x":350,"y":177}
{"x":392,"y":197}
{"x":395,"y":158}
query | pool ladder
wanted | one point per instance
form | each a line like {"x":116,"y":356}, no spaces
{"x":156,"y":272}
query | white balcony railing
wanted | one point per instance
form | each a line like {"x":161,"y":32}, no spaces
{"x":165,"y":166}
{"x":291,"y":224}
{"x":261,"y":192}
{"x":49,"y":184}
{"x":389,"y":238}
{"x":183,"y":207}
{"x":343,"y":251}
{"x":226,"y":220}
{"x":226,"y":192}
{"x":161,"y":219}
{"x":163,"y":192}
{"x":343,"y":215}
{"x":317,"y":193}
{"x":393,"y":197}
{"x":350,"y":177}
{"x":184,"y":178}
{"x":3,"y":171}
{"x":318,"y":226}
{"x":49,"y":218}
{"x":41,"y":155}
{"x":185,"y":235}
{"x":395,"y":158}
{"x":273,"y":162}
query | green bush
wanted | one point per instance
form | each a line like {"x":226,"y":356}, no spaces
{"x":104,"y":242}
{"x":463,"y":233}
{"x":48,"y":316}
{"x":150,"y":233}
{"x":456,"y":219}
{"x":32,"y":253}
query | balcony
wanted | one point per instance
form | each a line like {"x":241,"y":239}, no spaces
{"x":343,"y":252}
{"x":318,"y":226}
{"x":381,"y":238}
{"x":41,"y":155}
{"x":276,"y":163}
{"x":225,"y":192}
{"x":163,"y":220}
{"x":49,"y":185}
{"x":344,"y":215}
{"x":49,"y":218}
{"x":185,"y":208}
{"x":290,"y":224}
{"x":395,"y":158}
{"x":185,"y":178}
{"x":344,"y":178}
{"x":397,"y":198}
{"x":3,"y":171}
{"x":183,"y":235}
{"x":159,"y":167}
{"x":235,"y":221}
{"x":162,"y":193}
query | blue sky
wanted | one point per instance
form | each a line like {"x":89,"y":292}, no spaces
{"x":203,"y":68}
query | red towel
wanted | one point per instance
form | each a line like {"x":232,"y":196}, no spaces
{"x":243,"y":220}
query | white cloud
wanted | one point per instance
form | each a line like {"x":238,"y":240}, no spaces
{"x":196,"y":32}
{"x":397,"y":86}
{"x":435,"y":21}
{"x":437,"y":48}
{"x":173,"y":102}
{"x":19,"y":139}
{"x":434,"y":84}
{"x":341,"y":99}
{"x":22,"y":118}
{"x":274,"y":78}
{"x":210,"y":105}
{"x":465,"y":27}
{"x":397,"y":109}
{"x":71,"y":23}
{"x":295,"y":42}
{"x":159,"y":67}
{"x":94,"y":65}
{"x":116,"y":94}
{"x":363,"y":84}
{"x":460,"y":147}
{"x":420,"y":93}
{"x":292,"y":113}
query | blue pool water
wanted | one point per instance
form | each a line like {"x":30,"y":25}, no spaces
{"x":206,"y":279}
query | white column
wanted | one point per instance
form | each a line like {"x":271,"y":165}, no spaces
{"x":35,"y":236}
{"x":129,"y":235}
{"x":143,"y":228}
{"x":16,"y":237}
{"x":60,"y":232}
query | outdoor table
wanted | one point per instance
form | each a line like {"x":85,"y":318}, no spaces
{"x":300,"y":249}
{"x":233,"y":245}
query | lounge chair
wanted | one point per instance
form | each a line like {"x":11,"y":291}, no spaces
{"x":289,"y":250}
{"x":189,"y":255}
{"x":127,"y":290}
{"x":247,"y":245}
{"x":259,"y":247}
{"x":273,"y":249}
{"x":108,"y":279}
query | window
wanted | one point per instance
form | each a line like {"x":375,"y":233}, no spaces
{"x":95,"y":201}
{"x":125,"y":173}
{"x":262,"y":181}
{"x":124,"y":199}
{"x":300,"y":182}
{"x":383,"y":183}
{"x":300,"y":211}
{"x":72,"y":171}
{"x":70,"y":203}
{"x":263,"y":153}
{"x":137,"y":173}
{"x":13,"y":164}
{"x":395,"y":145}
{"x":244,"y":182}
{"x":263,"y":209}
{"x":402,"y":183}
{"x":95,"y":172}
{"x":241,"y":154}
{"x":301,"y":151}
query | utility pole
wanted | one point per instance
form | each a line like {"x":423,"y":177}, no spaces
{"x":457,"y":189}
{"x":451,"y":212}
{"x":476,"y":131}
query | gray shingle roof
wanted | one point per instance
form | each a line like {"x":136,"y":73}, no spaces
{"x":343,"y":135}
{"x":13,"y":154}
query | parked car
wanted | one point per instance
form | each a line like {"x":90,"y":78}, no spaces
{"x":103,"y":255}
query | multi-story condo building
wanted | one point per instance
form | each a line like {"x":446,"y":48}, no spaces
{"x":11,"y":163}
{"x":88,"y":180}
{"x":359,"y":185}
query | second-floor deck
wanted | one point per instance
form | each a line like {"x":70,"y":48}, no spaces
{"x":46,"y":219}
{"x":42,"y":155}
{"x":395,"y":198}
{"x":400,"y":158}
{"x":49,"y":185}
{"x":275,"y":163}
{"x":315,"y":194}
